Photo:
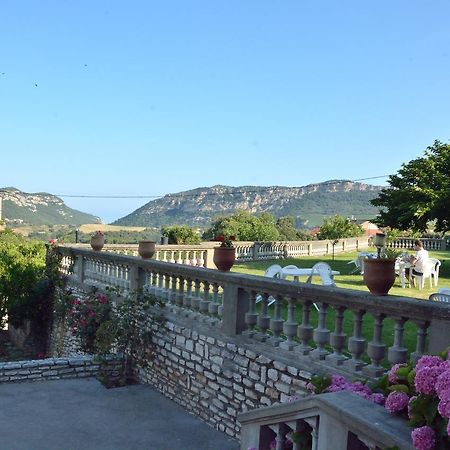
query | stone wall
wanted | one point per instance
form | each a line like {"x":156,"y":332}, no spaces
{"x":54,"y":369}
{"x":215,"y":377}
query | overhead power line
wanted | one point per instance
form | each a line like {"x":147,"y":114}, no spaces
{"x":258,"y":191}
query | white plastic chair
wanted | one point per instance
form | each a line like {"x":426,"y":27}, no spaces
{"x":440,"y":298}
{"x":435,"y":265}
{"x":290,"y":266}
{"x":272,"y":271}
{"x":427,"y":273}
{"x":325,"y":272}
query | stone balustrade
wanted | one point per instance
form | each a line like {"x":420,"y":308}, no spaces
{"x":335,"y":421}
{"x":239,"y":304}
{"x":428,"y":244}
{"x":223,"y":351}
{"x":202,"y":255}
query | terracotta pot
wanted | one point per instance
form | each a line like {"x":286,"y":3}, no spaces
{"x":97,"y":242}
{"x":379,"y":275}
{"x":146,"y":249}
{"x":224,"y":258}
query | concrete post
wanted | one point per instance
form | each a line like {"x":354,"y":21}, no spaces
{"x":209,"y":263}
{"x":439,"y":332}
{"x":235,"y":305}
{"x":80,"y":268}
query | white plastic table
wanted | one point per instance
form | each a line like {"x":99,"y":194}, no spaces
{"x":300,"y":272}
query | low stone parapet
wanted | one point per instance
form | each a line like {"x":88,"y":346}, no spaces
{"x":55,"y":369}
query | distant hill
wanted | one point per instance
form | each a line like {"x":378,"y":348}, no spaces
{"x":21,"y":208}
{"x":308,"y":204}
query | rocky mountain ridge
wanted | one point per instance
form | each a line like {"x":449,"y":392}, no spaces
{"x":22,"y":208}
{"x":308,"y":204}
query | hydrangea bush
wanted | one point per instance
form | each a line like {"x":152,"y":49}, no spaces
{"x":420,"y":393}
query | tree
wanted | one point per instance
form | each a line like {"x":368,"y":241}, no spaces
{"x":244,"y":227}
{"x":181,"y":234}
{"x":419,"y":193}
{"x":288,"y":232}
{"x":339,"y":227}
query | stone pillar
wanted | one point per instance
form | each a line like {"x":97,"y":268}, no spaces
{"x":235,"y":305}
{"x":208,"y":259}
{"x":439,"y":332}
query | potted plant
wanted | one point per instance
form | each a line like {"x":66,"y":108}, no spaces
{"x":97,"y":241}
{"x":379,"y":272}
{"x":146,"y":249}
{"x":224,"y":256}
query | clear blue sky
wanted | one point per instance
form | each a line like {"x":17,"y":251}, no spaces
{"x":155,"y":97}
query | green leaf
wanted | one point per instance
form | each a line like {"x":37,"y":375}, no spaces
{"x":399,"y":387}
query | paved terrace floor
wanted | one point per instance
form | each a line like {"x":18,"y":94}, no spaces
{"x":83,"y":415}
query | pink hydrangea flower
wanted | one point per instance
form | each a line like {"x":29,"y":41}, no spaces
{"x":396,"y":401}
{"x":392,"y":374}
{"x":443,"y":382}
{"x":426,"y":378}
{"x":423,"y":438}
{"x":444,"y":408}
{"x":377,"y":398}
{"x":428,"y":361}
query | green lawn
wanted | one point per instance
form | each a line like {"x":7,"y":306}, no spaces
{"x":347,"y":281}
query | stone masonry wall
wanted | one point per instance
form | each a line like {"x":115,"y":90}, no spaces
{"x":216,"y":378}
{"x":53,"y":369}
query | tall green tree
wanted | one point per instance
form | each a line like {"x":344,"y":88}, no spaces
{"x":339,"y":227}
{"x":419,"y":193}
{"x":181,"y":234}
{"x":245,"y":227}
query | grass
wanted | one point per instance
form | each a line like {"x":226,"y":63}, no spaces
{"x":347,"y":280}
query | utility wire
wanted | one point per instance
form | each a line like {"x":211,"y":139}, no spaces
{"x":258,"y":191}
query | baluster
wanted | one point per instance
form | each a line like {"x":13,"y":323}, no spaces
{"x":152,"y":282}
{"x":313,"y":422}
{"x":321,"y":334}
{"x":356,"y":343}
{"x":204,"y":302}
{"x":186,"y":259}
{"x":172,"y":256}
{"x":201,"y":258}
{"x":290,"y":326}
{"x":213,"y":307}
{"x":188,"y":296}
{"x":251,"y":316}
{"x":397,"y":353}
{"x":196,"y":299}
{"x":264,"y":318}
{"x":376,"y":349}
{"x":171,"y":293}
{"x":180,"y":296}
{"x":179,"y":259}
{"x":338,"y":337}
{"x":160,"y":286}
{"x":305,"y":331}
{"x":194,"y":261}
{"x":422,"y":330}
{"x":276,"y":324}
{"x":165,"y":287}
{"x":280,"y":438}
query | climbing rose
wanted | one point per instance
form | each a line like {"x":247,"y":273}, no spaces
{"x":396,"y":401}
{"x":423,"y":438}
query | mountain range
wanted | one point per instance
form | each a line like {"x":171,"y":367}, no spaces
{"x":308,"y":204}
{"x":21,"y":208}
{"x":199,"y":207}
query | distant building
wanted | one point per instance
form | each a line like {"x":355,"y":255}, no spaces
{"x":369,"y":228}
